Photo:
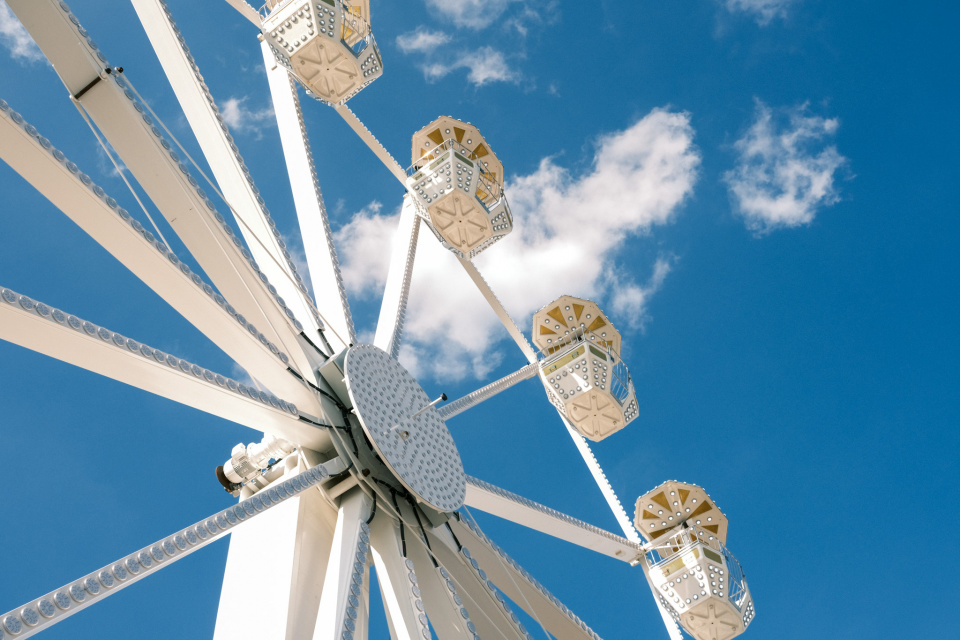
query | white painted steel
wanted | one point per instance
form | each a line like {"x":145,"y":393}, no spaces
{"x":151,"y":261}
{"x":280,"y":558}
{"x":343,"y":594}
{"x":492,"y":619}
{"x":474,"y":398}
{"x":445,"y":615}
{"x":518,"y":585}
{"x":49,"y":331}
{"x":368,"y":138}
{"x":604,"y":485}
{"x":124,"y":123}
{"x":94,"y":587}
{"x":393,"y":306}
{"x":246,"y":11}
{"x":324,"y":268}
{"x":509,"y":506}
{"x":497,"y":307}
{"x":236,"y":184}
{"x":397,"y":580}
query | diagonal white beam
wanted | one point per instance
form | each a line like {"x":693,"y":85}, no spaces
{"x":49,"y":171}
{"x":518,"y":585}
{"x":324,"y":267}
{"x":474,"y":398}
{"x":246,"y":11}
{"x":236,"y":184}
{"x":510,"y":506}
{"x":49,"y":331}
{"x":371,"y":141}
{"x":492,"y":617}
{"x":397,"y":579}
{"x":284,"y":553}
{"x":343,"y":599}
{"x":446,"y":617}
{"x":46,"y":611}
{"x":111,"y":103}
{"x":498,"y":308}
{"x":393,"y":307}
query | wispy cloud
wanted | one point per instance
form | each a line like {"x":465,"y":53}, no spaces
{"x":763,"y":11}
{"x":421,"y":40}
{"x":242,"y":119}
{"x":15,"y":38}
{"x":485,"y":66}
{"x":569,"y":228}
{"x":785,"y":174}
{"x":472,"y":14}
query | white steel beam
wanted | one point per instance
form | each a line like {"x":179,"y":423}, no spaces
{"x":345,"y":586}
{"x":474,"y":398}
{"x":518,"y":585}
{"x":495,"y":304}
{"x":84,"y":202}
{"x":393,"y":307}
{"x":246,"y":11}
{"x":397,"y":579}
{"x":49,"y":331}
{"x":111,"y":103}
{"x":509,"y":506}
{"x":603,"y":483}
{"x":492,"y":618}
{"x":324,"y":268}
{"x":46,"y":611}
{"x":279,"y":560}
{"x":378,"y":149}
{"x":236,"y":184}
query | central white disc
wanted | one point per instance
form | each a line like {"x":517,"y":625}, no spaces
{"x":419,"y":450}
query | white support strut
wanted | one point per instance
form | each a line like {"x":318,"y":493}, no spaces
{"x":113,"y":106}
{"x":497,"y":307}
{"x":89,"y":206}
{"x":474,"y":398}
{"x":322,"y":262}
{"x":509,"y":506}
{"x":393,"y":307}
{"x":378,"y":149}
{"x":47,"y":330}
{"x":44,"y":612}
{"x":256,"y":226}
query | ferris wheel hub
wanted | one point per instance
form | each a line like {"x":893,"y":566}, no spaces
{"x":404,"y":428}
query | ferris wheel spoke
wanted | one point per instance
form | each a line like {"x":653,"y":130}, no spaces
{"x":517,"y":584}
{"x":474,"y":398}
{"x":49,"y":331}
{"x":371,"y":141}
{"x":497,"y":306}
{"x":256,"y":225}
{"x":398,"y":581}
{"x":394,"y":305}
{"x":282,"y":553}
{"x":50,"y":172}
{"x":46,"y":611}
{"x":112,"y":104}
{"x":489,"y":611}
{"x":246,"y":11}
{"x":344,"y":600}
{"x":510,"y":506}
{"x":324,"y":267}
{"x":448,"y":619}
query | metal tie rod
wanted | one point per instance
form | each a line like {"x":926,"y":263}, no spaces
{"x":474,"y":398}
{"x":43,"y":612}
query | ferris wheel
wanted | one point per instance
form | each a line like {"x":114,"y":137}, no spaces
{"x":356,"y":467}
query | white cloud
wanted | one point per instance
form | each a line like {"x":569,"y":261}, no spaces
{"x":421,"y":40}
{"x":473,"y":14}
{"x":784,"y":174}
{"x":485,"y":65}
{"x":242,"y":119}
{"x":15,"y":38}
{"x":763,"y":10}
{"x":568,"y":229}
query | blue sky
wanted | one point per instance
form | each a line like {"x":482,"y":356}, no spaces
{"x":761,"y":193}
